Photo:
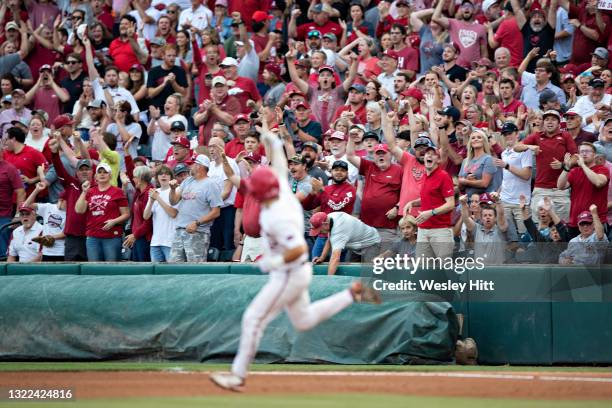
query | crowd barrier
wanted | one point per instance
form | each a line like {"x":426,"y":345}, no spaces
{"x":162,"y":311}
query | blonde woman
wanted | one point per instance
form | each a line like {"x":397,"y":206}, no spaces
{"x":478,"y":170}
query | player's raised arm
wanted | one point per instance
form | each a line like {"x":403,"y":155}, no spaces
{"x":276,"y":154}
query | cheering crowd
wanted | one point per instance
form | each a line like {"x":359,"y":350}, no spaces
{"x":424,"y":127}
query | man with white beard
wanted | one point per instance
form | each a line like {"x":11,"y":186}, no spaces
{"x":337,"y":147}
{"x":539,"y":31}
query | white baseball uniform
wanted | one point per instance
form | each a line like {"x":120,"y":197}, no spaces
{"x":282,"y":228}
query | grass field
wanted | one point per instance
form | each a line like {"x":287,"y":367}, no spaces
{"x":327,"y":400}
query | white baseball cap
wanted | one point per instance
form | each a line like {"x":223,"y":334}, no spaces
{"x":486,"y":4}
{"x":105,"y":166}
{"x":229,"y":62}
{"x":202,"y":160}
{"x":219,"y":80}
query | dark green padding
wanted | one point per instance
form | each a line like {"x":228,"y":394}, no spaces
{"x":121,"y":268}
{"x":517,"y":331}
{"x":582,"y":315}
{"x":191,"y":268}
{"x":197,"y":318}
{"x":2,"y":269}
{"x":42,"y":269}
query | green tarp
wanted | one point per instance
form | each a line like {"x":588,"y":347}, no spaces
{"x":197,"y":318}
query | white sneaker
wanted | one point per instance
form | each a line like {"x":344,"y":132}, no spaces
{"x":227,"y":381}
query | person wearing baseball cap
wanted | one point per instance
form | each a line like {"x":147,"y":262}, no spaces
{"x":588,"y":184}
{"x":181,"y":172}
{"x":517,"y":172}
{"x":310,"y":153}
{"x":272,"y":78}
{"x":380,"y":199}
{"x":355,"y":108}
{"x":551,"y":145}
{"x":345,"y":232}
{"x":195,"y":216}
{"x":246,"y":86}
{"x":590,"y":246}
{"x":600,"y":57}
{"x":25,"y":158}
{"x":597,"y":101}
{"x":106,"y":209}
{"x":337,"y":143}
{"x":320,"y":21}
{"x":16,"y":112}
{"x":46,"y":94}
{"x":389,"y":64}
{"x":573,"y":123}
{"x":180,"y":152}
{"x":339,"y":195}
{"x":22,"y":248}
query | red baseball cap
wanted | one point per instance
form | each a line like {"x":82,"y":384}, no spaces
{"x":381,"y":148}
{"x":326,"y":68}
{"x":303,"y":104}
{"x":584,"y":216}
{"x":253,"y":157}
{"x":416,"y":93}
{"x":182,"y":141}
{"x":273,"y":69}
{"x":241,"y":116}
{"x":316,"y":222}
{"x":338,"y":135}
{"x":391,"y":54}
{"x":260,"y":16}
{"x":61,"y":121}
{"x":485,"y":198}
{"x":26,"y":209}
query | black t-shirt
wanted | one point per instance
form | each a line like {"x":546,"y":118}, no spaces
{"x":74,"y":88}
{"x":544,"y":39}
{"x":457,"y":73}
{"x":156,"y":77}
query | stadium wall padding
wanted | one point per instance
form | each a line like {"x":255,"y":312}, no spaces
{"x":176,"y":311}
{"x":191,"y":317}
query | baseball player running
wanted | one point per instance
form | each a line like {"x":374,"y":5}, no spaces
{"x":285,"y":258}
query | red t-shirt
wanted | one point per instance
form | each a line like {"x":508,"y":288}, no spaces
{"x":75,"y":222}
{"x":235,"y":146}
{"x":47,"y":100}
{"x":360,"y":114}
{"x":334,"y":197}
{"x":229,"y":105}
{"x":39,"y":57}
{"x":381,"y":193}
{"x":101,"y":207}
{"x":122,"y":54}
{"x":508,"y":35}
{"x":512,"y":107}
{"x":412,"y":181}
{"x":451,"y":168}
{"x":249,"y":91}
{"x":584,"y":193}
{"x":9,"y":182}
{"x":436,"y":188}
{"x":329,"y":27}
{"x":26,"y":162}
{"x":582,"y":46}
{"x":551,"y":148}
{"x":408,"y":59}
{"x":171,"y":162}
{"x":250,"y":211}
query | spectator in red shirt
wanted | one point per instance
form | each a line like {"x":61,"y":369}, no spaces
{"x":26,"y":158}
{"x":10,"y":185}
{"x":589,"y":185}
{"x":242,"y":123}
{"x":387,"y":21}
{"x":107,"y":210}
{"x":437,"y":201}
{"x":222,"y":107}
{"x":243,"y":88}
{"x":338,"y":196}
{"x":589,"y":33}
{"x":321,"y":22}
{"x":508,"y":105}
{"x":381,"y":193}
{"x":46,"y":94}
{"x":407,"y":57}
{"x":100,"y":14}
{"x":550,"y":147}
{"x":128,"y":49}
{"x":142,"y":229}
{"x":355,"y":109}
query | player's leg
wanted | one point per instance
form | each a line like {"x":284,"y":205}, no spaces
{"x":262,"y":310}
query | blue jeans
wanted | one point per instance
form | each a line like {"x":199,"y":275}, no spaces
{"x":104,"y":249}
{"x":317,"y":249}
{"x":222,"y":230}
{"x":160,"y":253}
{"x":5,"y":235}
{"x":141,"y":251}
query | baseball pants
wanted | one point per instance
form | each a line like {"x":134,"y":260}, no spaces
{"x":285,"y":290}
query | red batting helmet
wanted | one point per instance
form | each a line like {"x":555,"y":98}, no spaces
{"x":263,"y":184}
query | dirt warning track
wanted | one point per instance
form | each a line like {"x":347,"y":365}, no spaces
{"x":530,"y":385}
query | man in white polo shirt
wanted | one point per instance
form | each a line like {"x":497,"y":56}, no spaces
{"x":517,"y":175}
{"x":22,"y":248}
{"x":345,"y":232}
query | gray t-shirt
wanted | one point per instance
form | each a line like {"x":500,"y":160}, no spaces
{"x":403,"y":247}
{"x":198,"y":197}
{"x":274,"y":94}
{"x":8,"y":62}
{"x":490,"y":245}
{"x":350,"y":233}
{"x":477,"y":167}
{"x":586,"y":251}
